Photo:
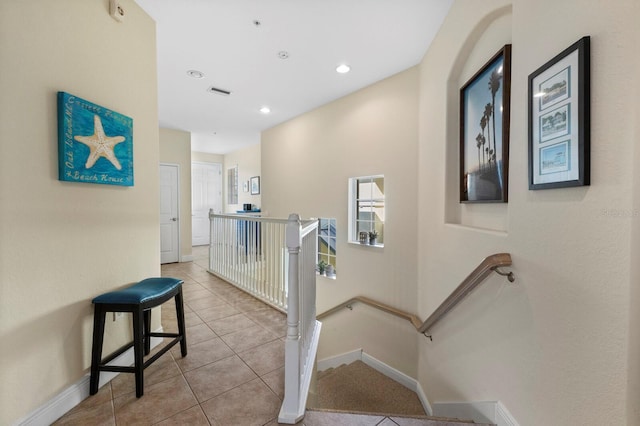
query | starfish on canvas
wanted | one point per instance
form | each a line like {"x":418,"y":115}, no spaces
{"x":100,"y":145}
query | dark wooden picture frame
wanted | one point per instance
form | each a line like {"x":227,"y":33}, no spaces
{"x":255,"y":185}
{"x":559,"y":120}
{"x":484,"y":132}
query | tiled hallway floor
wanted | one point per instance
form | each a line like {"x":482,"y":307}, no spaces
{"x":232,"y":375}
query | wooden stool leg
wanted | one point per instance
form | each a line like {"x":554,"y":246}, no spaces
{"x":138,"y":348}
{"x":96,"y":351}
{"x":181,"y":326}
{"x":147,"y":331}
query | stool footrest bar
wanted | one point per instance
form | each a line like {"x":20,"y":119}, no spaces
{"x":117,"y":368}
{"x":161,"y":352}
{"x":116,"y":354}
{"x":154,"y":334}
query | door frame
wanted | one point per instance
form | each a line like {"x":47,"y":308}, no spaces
{"x":177,"y":166}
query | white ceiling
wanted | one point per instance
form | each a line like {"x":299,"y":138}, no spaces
{"x":377,"y":38}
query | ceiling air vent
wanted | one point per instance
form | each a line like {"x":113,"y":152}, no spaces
{"x":218,"y":91}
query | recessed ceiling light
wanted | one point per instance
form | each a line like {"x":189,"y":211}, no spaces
{"x":265,"y":110}
{"x":283,"y":54}
{"x":343,"y":68}
{"x":195,"y":74}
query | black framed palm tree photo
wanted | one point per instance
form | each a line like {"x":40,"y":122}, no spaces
{"x":484,"y":132}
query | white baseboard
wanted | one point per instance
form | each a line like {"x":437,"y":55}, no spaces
{"x":338,"y":360}
{"x":376,"y":364}
{"x":504,"y":417}
{"x":423,"y":399}
{"x":480,"y":411}
{"x":56,"y":407}
{"x":60,"y":404}
{"x":187,"y":258}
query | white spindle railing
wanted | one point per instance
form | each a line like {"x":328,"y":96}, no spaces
{"x":303,"y":330}
{"x":275,"y":260}
{"x":249,"y":252}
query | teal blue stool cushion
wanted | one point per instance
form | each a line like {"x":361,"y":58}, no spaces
{"x":142,"y":292}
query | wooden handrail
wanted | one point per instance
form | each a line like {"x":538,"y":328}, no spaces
{"x":375,"y":304}
{"x":488,"y":265}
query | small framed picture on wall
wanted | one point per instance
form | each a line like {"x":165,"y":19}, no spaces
{"x":255,"y":185}
{"x":559,"y":117}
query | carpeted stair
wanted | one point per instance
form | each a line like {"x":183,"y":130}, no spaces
{"x":363,"y":391}
{"x":356,"y":387}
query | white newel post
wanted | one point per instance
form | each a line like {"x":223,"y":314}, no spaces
{"x":211,"y":237}
{"x":291,"y":412}
{"x":294,"y":241}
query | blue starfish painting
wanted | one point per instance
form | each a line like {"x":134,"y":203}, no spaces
{"x":95,"y":144}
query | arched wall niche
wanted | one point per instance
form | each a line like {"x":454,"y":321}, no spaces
{"x":484,"y":41}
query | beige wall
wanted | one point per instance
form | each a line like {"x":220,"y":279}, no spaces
{"x":205,"y":157}
{"x":558,"y":347}
{"x":306,"y":164}
{"x":62,"y":243}
{"x":249,"y":165}
{"x":175,"y":148}
{"x":633,"y":375}
{"x":553,"y":347}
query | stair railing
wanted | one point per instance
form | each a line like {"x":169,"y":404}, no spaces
{"x":249,"y":252}
{"x":275,"y":261}
{"x":490,"y":264}
{"x":303,"y":330}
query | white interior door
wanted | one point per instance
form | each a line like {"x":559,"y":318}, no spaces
{"x":169,"y":202}
{"x":206,"y":193}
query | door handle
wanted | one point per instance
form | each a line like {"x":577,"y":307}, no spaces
{"x":174,"y":219}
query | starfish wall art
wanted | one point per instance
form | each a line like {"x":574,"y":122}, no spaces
{"x":95,"y":144}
